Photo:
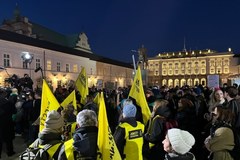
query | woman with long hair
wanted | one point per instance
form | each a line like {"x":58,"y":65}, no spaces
{"x":221,"y":138}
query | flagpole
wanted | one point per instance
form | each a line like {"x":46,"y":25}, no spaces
{"x":134,"y":64}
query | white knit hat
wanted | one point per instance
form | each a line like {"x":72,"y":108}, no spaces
{"x":54,"y":120}
{"x":181,"y":141}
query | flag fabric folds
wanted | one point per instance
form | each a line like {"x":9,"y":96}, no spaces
{"x":71,"y":99}
{"x":82,"y":85}
{"x":106,"y":144}
{"x":138,"y":94}
{"x":48,"y":103}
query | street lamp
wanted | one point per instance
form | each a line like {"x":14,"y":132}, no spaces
{"x":27,"y":58}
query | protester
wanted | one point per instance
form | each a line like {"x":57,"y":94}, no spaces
{"x":26,"y":82}
{"x":156,"y":130}
{"x":90,"y":104}
{"x":84,"y":142}
{"x":177,"y":144}
{"x":217,"y":97}
{"x":7,"y":109}
{"x":69,"y":120}
{"x":34,"y":114}
{"x":234,"y":105}
{"x":128,"y":135}
{"x":221,"y":138}
{"x":51,"y":134}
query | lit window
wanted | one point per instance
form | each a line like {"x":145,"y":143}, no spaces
{"x":75,"y":68}
{"x":49,"y":65}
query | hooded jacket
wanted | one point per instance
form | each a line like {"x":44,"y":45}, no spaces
{"x":84,"y":144}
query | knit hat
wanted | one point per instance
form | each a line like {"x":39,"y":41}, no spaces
{"x":181,"y":141}
{"x":54,"y":120}
{"x":129,"y":110}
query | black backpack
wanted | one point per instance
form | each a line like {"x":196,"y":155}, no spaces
{"x":41,"y":153}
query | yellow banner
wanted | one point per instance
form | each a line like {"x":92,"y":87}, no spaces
{"x":82,"y":85}
{"x":138,"y":94}
{"x":48,"y":103}
{"x":106,"y":144}
{"x":71,"y":99}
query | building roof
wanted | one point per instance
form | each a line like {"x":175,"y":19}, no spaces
{"x":18,"y":38}
{"x":186,"y":54}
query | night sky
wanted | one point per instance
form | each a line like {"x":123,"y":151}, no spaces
{"x":115,"y":27}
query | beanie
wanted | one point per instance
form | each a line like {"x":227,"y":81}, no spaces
{"x":54,"y":120}
{"x":129,"y":110}
{"x":181,"y":141}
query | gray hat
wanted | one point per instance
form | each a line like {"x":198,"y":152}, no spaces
{"x":129,"y":110}
{"x":54,"y":120}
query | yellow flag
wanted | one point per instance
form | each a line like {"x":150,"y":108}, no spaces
{"x":106,"y":144}
{"x":96,"y":99}
{"x":82,"y":85}
{"x":48,"y":103}
{"x":71,"y":99}
{"x":138,"y":94}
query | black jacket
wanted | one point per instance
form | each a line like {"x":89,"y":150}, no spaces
{"x":85,"y":144}
{"x":187,"y":156}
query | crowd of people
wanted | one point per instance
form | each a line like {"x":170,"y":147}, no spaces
{"x":208,"y":123}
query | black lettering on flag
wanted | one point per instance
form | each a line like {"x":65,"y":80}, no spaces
{"x":83,"y":79}
{"x":111,"y":143}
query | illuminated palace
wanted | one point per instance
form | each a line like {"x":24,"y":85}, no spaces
{"x":192,"y":67}
{"x":27,"y":47}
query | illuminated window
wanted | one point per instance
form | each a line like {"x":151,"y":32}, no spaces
{"x":212,"y":71}
{"x":49,"y":65}
{"x":203,"y":71}
{"x":176,"y":72}
{"x":75,"y":68}
{"x":226,"y":70}
{"x":226,"y":62}
{"x":164,"y":72}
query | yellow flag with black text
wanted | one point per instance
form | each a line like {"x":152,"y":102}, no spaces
{"x":82,"y":85}
{"x":138,"y":94}
{"x":71,"y":99}
{"x":48,"y":103}
{"x":106,"y":144}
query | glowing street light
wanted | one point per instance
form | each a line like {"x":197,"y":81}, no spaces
{"x":27,"y":58}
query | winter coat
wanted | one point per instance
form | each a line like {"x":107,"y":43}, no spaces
{"x":172,"y":156}
{"x":84,"y":144}
{"x":7,"y":109}
{"x":156,"y":134}
{"x":221,"y":142}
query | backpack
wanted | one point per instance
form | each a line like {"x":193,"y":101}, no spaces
{"x":41,"y":152}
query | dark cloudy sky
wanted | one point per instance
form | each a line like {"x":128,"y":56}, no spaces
{"x":115,"y":27}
